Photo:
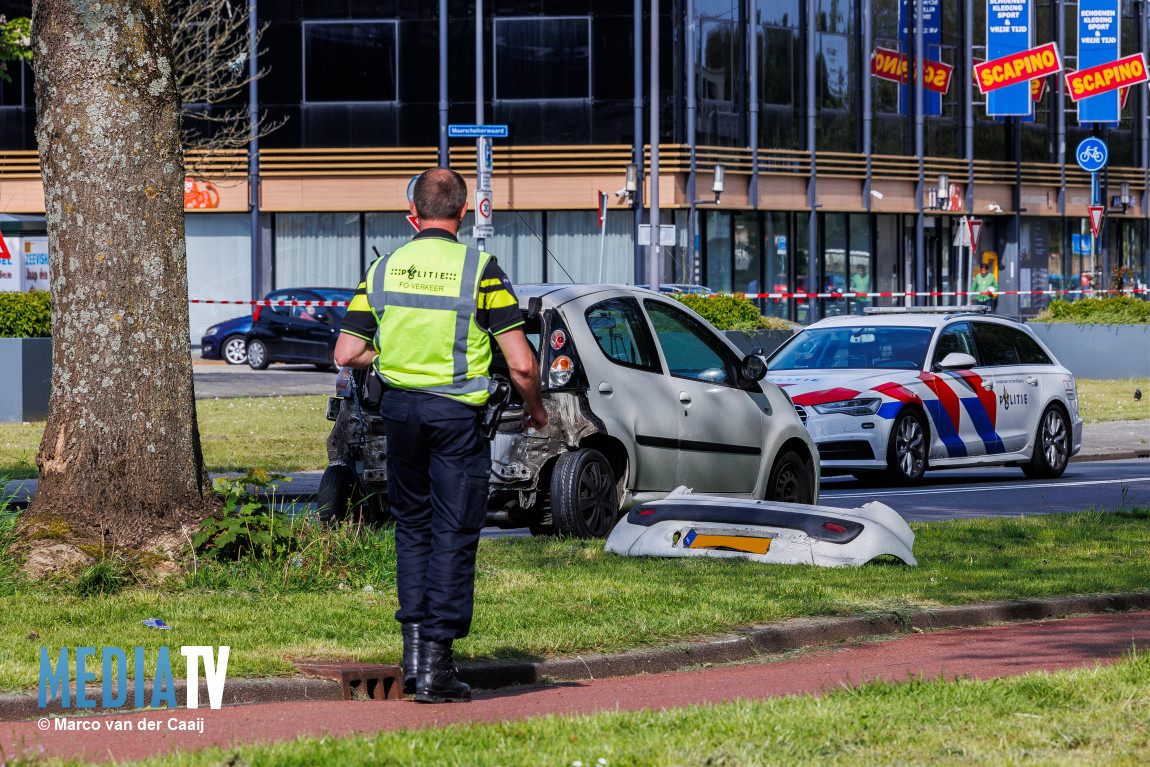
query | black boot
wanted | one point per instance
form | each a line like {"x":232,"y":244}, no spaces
{"x":410,"y":657}
{"x":438,"y":681}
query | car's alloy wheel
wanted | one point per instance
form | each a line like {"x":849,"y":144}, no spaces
{"x":234,"y":351}
{"x":257,"y":355}
{"x":584,"y":499}
{"x":906,"y":454}
{"x":789,"y":481}
{"x":1051,"y":446}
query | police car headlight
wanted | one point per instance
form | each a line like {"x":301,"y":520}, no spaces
{"x":211,"y":331}
{"x":866,"y":406}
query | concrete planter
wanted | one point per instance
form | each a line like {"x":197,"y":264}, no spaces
{"x":25,"y":378}
{"x":768,"y":339}
{"x":1105,"y":352}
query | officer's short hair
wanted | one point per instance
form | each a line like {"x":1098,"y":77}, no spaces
{"x":439,"y":194}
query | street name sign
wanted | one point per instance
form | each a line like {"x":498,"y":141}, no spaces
{"x":477,"y":131}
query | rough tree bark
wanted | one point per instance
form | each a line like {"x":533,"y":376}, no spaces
{"x":120,"y":461}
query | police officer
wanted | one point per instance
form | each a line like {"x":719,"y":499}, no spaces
{"x":423,"y":316}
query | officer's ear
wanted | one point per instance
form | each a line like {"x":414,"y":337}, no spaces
{"x":462,"y":213}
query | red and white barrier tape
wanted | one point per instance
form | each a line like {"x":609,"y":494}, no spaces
{"x":802,"y":296}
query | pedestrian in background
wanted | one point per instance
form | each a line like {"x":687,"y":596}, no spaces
{"x":985,"y":287}
{"x":860,"y":283}
{"x":424,"y":316}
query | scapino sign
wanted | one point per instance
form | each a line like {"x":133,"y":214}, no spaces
{"x":1107,"y":77}
{"x":1018,"y":68}
{"x":886,"y":64}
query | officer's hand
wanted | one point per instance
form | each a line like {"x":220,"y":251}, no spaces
{"x":535,"y":420}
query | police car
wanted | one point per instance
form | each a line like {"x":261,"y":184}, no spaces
{"x":903,"y":391}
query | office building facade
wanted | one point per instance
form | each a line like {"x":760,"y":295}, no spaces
{"x":832,"y":172}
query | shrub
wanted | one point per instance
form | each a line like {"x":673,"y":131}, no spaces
{"x":245,"y":527}
{"x":1114,"y":310}
{"x":25,"y":315}
{"x":730,"y":312}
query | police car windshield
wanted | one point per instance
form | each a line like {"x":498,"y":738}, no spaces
{"x":859,"y":346}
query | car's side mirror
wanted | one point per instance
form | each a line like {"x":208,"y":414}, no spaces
{"x":957,"y":361}
{"x":753,"y":368}
{"x":323,"y":317}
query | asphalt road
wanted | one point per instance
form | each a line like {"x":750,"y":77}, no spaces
{"x":963,"y":493}
{"x":219,"y":380}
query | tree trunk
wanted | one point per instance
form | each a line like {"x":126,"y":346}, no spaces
{"x":120,"y":460}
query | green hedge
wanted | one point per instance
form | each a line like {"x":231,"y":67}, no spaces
{"x":25,"y":315}
{"x":730,"y":312}
{"x":1115,"y":310}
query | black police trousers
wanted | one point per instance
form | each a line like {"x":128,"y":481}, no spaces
{"x":438,"y":462}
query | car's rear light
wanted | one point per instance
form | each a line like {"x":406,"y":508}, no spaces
{"x":561,"y":369}
{"x":558,"y":339}
{"x":646,"y":512}
{"x":256,"y":314}
{"x":835,"y":528}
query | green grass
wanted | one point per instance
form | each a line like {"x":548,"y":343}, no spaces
{"x":1098,"y":715}
{"x":290,"y":433}
{"x":537,"y":598}
{"x":1101,"y":401}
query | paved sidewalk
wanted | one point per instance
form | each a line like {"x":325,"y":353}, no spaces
{"x":980,"y":653}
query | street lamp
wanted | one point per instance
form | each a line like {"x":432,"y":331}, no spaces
{"x":717,"y":185}
{"x":1124,"y":200}
{"x":631,"y":185}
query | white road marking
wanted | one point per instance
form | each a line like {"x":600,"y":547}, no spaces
{"x":930,"y":491}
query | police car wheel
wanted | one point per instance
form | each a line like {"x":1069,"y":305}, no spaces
{"x":1051,"y":446}
{"x":906,"y":451}
{"x":258,"y":355}
{"x":789,"y":481}
{"x":584,"y":500}
{"x":234,"y":350}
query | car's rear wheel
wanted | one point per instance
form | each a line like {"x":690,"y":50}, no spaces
{"x":789,"y":481}
{"x":340,"y":497}
{"x":1051,"y":446}
{"x":258,"y":358}
{"x":906,"y":451}
{"x":234,"y":350}
{"x":584,"y":499}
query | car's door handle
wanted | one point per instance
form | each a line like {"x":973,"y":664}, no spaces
{"x":605,"y":388}
{"x":1032,"y":380}
{"x":988,"y":385}
{"x":684,"y":397}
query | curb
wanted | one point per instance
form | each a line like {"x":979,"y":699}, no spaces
{"x":739,"y":645}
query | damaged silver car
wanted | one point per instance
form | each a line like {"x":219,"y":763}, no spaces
{"x":642,"y":395}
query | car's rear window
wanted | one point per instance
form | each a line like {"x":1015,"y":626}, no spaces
{"x":859,"y":346}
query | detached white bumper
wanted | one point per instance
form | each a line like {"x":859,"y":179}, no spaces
{"x":685,"y":525}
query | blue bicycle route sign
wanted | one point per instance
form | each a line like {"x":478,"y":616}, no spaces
{"x":1092,"y":155}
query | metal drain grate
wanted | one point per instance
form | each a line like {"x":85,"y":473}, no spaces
{"x":360,"y":681}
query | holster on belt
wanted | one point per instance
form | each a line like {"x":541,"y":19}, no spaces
{"x":498,"y":398}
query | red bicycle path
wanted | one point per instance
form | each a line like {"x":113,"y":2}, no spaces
{"x":981,"y":653}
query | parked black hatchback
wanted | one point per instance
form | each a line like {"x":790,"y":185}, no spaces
{"x":297,"y":333}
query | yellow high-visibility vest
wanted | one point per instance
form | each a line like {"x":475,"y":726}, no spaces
{"x":424,"y":297}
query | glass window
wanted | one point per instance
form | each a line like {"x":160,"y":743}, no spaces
{"x":690,"y":349}
{"x":747,"y":259}
{"x":1029,"y":352}
{"x":517,"y":244}
{"x":350,"y":61}
{"x":317,"y":249}
{"x":854,"y":347}
{"x":622,"y":335}
{"x":573,"y":244}
{"x":955,"y":339}
{"x":995,"y":344}
{"x":219,"y":247}
{"x":718,"y":250}
{"x":543,"y":58}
